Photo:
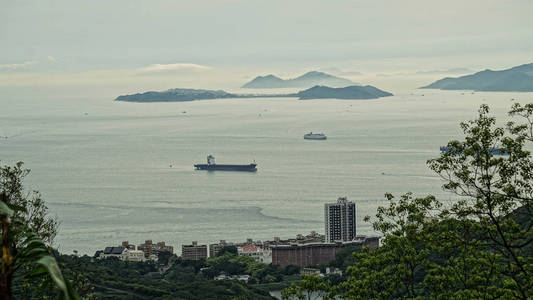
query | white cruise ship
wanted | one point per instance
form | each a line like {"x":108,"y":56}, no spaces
{"x":315,"y":136}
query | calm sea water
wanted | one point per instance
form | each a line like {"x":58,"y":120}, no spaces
{"x":115,"y":171}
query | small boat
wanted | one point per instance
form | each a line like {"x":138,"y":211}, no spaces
{"x":315,"y":136}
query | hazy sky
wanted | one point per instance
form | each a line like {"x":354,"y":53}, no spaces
{"x":125,"y":44}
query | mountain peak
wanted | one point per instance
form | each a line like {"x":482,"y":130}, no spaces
{"x":306,"y":80}
{"x":269,"y":76}
{"x":314,"y":73}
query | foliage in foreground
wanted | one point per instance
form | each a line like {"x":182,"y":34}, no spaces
{"x":26,"y":227}
{"x":481,"y":246}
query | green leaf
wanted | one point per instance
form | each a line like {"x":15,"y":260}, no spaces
{"x":50,"y":264}
{"x":17,"y":207}
{"x":5,"y":210}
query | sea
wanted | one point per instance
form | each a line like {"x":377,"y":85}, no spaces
{"x":116,"y":171}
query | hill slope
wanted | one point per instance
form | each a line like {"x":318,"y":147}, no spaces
{"x":350,"y":92}
{"x":517,"y":79}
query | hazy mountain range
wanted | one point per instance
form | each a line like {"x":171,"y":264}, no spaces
{"x":307,"y":80}
{"x":316,"y":92}
{"x":517,"y":79}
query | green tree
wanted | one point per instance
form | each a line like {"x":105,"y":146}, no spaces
{"x":311,"y":287}
{"x":26,"y":227}
{"x":228,"y":249}
{"x":394,"y":269}
{"x":291,"y":270}
{"x":163,"y":257}
{"x":230,"y":264}
{"x":492,"y":188}
{"x":30,"y":211}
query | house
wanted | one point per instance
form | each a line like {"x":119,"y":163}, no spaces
{"x":122,"y":253}
{"x":112,"y":252}
{"x":256,"y":252}
{"x":133,"y":255}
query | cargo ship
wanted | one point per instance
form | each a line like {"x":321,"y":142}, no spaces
{"x":494,"y":151}
{"x":212,"y":166}
{"x":315,"y":136}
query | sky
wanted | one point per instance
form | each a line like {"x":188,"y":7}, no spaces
{"x":107,"y":47}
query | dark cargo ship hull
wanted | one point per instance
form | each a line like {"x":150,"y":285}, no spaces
{"x":216,"y":167}
{"x":493,"y":150}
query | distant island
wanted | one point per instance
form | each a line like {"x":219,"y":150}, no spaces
{"x":517,"y":79}
{"x":316,"y":92}
{"x":350,"y":92}
{"x":307,"y":80}
{"x":176,"y":95}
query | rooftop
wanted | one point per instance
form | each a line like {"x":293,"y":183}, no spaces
{"x":114,"y":250}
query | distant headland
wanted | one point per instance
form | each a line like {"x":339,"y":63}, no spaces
{"x":176,"y":95}
{"x":317,"y":92}
{"x":517,"y":79}
{"x":306,"y":80}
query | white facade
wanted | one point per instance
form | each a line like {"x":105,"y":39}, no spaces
{"x":258,"y":254}
{"x":104,"y":256}
{"x":133,"y":255}
{"x":339,"y":219}
{"x":244,"y":278}
{"x":122,"y":253}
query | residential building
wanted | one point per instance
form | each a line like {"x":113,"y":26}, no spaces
{"x":256,"y":252}
{"x":243,"y":278}
{"x":133,"y":255}
{"x":335,"y":271}
{"x":313,"y":254}
{"x":150,"y":249}
{"x":122,"y":253}
{"x":309,"y":271}
{"x":340,"y":220}
{"x":194,"y":251}
{"x":214,"y":249}
{"x":112,"y":252}
{"x":313,"y":237}
{"x":127,"y":245}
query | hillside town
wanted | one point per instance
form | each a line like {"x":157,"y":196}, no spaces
{"x":302,"y":251}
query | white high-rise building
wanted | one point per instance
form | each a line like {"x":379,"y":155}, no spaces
{"x":340,"y":220}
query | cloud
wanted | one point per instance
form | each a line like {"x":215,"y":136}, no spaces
{"x":19,"y":66}
{"x":392,"y":74}
{"x":51,"y":58}
{"x":178,"y":67}
{"x":449,"y":71}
